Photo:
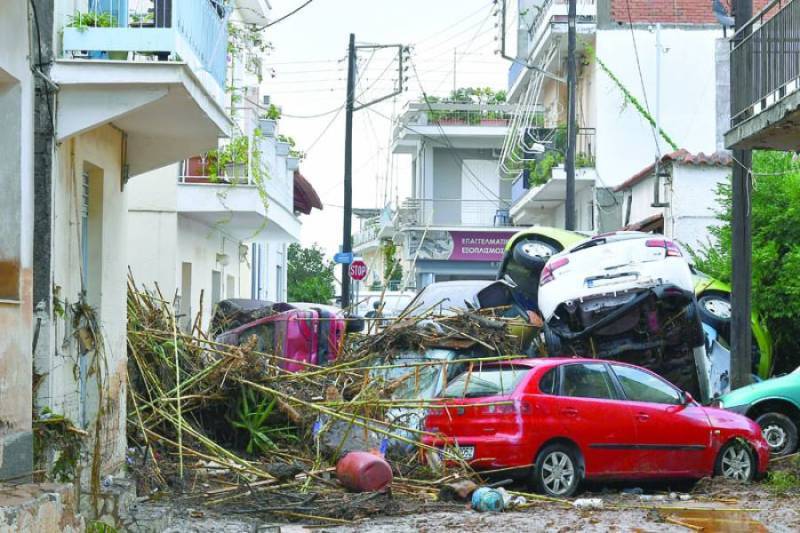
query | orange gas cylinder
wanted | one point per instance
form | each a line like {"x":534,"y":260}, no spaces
{"x":363,"y":472}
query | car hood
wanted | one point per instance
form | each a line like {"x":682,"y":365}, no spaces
{"x":722,"y":419}
{"x":787,"y":386}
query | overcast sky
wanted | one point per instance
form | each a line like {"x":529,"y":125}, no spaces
{"x":310,"y":70}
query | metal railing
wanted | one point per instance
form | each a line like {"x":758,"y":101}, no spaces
{"x":765,"y":59}
{"x":145,"y":29}
{"x":455,"y":212}
{"x":368,"y":234}
{"x":454,"y":114}
{"x":556,"y":11}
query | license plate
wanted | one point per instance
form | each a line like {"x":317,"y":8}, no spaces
{"x":466,"y":453}
{"x":602,"y":282}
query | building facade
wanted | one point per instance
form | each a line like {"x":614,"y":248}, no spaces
{"x":661,"y":64}
{"x":106,"y":106}
{"x":456,"y":221}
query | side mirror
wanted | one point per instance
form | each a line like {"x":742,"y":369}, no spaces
{"x":687,"y":398}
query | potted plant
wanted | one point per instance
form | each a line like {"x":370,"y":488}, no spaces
{"x":94,"y":19}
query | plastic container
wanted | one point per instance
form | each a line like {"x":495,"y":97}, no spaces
{"x":363,"y":472}
{"x":487,"y":500}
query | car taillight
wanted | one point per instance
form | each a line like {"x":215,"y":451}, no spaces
{"x":669,"y":247}
{"x":506,"y":408}
{"x":550,"y":268}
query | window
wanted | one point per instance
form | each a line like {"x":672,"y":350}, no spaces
{"x":494,"y":381}
{"x":587,"y":381}
{"x":645,"y":387}
{"x":216,"y":287}
{"x":549,"y":382}
{"x":230,"y":286}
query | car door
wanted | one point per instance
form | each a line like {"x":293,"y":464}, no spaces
{"x":593,"y":414}
{"x":673,"y":437}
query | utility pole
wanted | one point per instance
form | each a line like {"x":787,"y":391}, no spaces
{"x":347,"y":231}
{"x":572,"y":130}
{"x":741,"y":237}
{"x":350,"y":108}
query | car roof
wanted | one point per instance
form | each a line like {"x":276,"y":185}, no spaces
{"x":554,"y":361}
{"x":458,"y":283}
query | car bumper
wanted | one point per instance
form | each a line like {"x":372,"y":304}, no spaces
{"x":762,"y":454}
{"x":491,"y":453}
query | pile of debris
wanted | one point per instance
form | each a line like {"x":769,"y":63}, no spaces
{"x":229,"y":425}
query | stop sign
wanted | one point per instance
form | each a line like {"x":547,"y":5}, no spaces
{"x":358,"y":270}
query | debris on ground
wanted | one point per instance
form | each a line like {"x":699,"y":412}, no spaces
{"x":229,"y":427}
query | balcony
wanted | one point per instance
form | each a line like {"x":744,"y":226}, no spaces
{"x":154,"y":68}
{"x":424,"y":212}
{"x":765,"y":67}
{"x":549,"y":29}
{"x":454,"y":121}
{"x":235,"y":203}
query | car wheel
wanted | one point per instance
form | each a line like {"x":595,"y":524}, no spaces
{"x":533,"y":254}
{"x":736,"y":461}
{"x":557,"y":472}
{"x":715,"y":310}
{"x":552,"y":342}
{"x":780,"y":433}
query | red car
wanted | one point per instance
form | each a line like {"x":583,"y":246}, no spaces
{"x":575,"y":419}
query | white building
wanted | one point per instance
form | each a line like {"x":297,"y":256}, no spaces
{"x":666,"y":59}
{"x":218,"y":225}
{"x":111,"y":104}
{"x":683,"y":209}
{"x":16,"y":243}
{"x":456,"y":221}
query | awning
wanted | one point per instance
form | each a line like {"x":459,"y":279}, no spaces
{"x":305,"y":197}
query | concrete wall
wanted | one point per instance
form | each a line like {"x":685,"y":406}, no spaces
{"x":68,"y":387}
{"x":693,"y":202}
{"x":688,"y":97}
{"x":16,"y":244}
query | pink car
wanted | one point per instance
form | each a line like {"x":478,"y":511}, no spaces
{"x":300,"y":334}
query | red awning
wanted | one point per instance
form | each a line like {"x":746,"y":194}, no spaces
{"x":305,"y":197}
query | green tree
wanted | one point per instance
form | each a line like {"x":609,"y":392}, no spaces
{"x":309,"y":276}
{"x":776,"y":249}
{"x":392,"y":269}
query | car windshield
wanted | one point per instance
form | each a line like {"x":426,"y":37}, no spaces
{"x":497,"y":381}
{"x":410,"y":377}
{"x":445,"y":298}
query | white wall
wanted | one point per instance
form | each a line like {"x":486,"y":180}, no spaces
{"x":625,"y":142}
{"x":16,"y":163}
{"x":694,"y":202}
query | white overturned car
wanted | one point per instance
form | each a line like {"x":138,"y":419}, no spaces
{"x":626,"y":296}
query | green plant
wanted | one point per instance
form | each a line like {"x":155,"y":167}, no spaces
{"x":291,"y":142}
{"x":775,"y":210}
{"x":273,"y":112}
{"x":142,"y":18}
{"x":392,"y":269}
{"x":628,"y":96}
{"x":97,"y":526}
{"x":93,"y":19}
{"x":57,"y":446}
{"x":309,"y":276}
{"x":253,"y":412}
{"x":783,"y":481}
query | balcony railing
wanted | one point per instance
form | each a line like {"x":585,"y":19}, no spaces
{"x":455,"y":212}
{"x":555,"y":11}
{"x":154,"y":30}
{"x":454,"y":114}
{"x":765,"y":59}
{"x":368,"y":234}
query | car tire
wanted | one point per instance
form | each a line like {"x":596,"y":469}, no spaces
{"x":557,"y":472}
{"x":780,"y":432}
{"x":736,"y":461}
{"x":715,"y":310}
{"x":552,"y":342}
{"x":530,"y":261}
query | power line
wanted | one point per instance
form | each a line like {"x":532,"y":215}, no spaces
{"x":287,"y":15}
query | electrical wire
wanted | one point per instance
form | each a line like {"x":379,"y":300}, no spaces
{"x":641,"y":78}
{"x":286,"y":16}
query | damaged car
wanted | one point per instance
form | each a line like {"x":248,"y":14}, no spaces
{"x":629,"y":296}
{"x":543,"y":412}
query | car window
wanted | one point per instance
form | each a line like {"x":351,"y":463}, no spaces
{"x":587,"y":381}
{"x":495,"y":381}
{"x":641,"y":386}
{"x":444,"y":299}
{"x":548,"y":382}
